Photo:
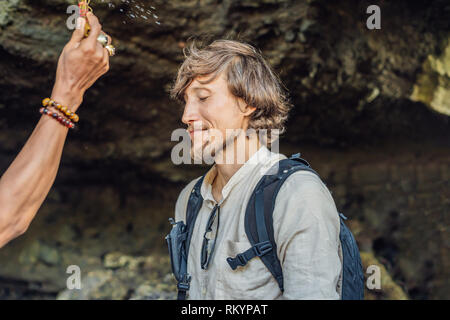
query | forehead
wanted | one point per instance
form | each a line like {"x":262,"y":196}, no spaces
{"x":201,"y":83}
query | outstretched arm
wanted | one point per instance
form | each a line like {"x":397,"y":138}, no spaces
{"x":26,"y":183}
{"x":24,"y":186}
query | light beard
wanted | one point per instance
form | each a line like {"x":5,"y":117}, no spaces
{"x":207,"y":152}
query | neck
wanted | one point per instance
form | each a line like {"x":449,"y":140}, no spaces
{"x":232,"y":158}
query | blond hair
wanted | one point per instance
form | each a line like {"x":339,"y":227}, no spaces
{"x":247,"y":73}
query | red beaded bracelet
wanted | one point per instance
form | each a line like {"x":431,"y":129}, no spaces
{"x":65,"y":122}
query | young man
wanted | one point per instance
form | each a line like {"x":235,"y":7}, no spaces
{"x":26,"y":183}
{"x":228,"y":85}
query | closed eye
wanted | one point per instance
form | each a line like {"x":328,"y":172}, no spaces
{"x":203,"y":99}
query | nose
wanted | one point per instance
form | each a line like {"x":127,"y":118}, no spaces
{"x":190,"y":113}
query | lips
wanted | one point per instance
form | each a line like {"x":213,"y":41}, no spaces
{"x":193,"y":132}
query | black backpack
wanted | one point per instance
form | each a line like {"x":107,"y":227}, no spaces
{"x":259,"y":230}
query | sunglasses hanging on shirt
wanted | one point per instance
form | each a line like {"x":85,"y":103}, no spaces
{"x":207,"y":247}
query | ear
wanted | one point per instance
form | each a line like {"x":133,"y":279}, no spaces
{"x":245,"y":108}
{"x":248,"y":110}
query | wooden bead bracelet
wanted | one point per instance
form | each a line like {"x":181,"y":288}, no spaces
{"x":47,"y":102}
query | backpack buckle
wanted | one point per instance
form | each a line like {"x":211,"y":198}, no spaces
{"x":262,"y":248}
{"x":238,"y":261}
{"x":258,"y":250}
{"x":184,"y":283}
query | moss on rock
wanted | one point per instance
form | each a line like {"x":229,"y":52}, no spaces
{"x":433,"y":83}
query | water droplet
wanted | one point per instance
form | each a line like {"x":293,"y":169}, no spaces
{"x":136,"y":10}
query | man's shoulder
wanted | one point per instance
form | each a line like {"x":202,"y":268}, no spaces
{"x":304,"y":181}
{"x":299,"y":182}
{"x":304,"y":202}
{"x":183,"y":197}
{"x":305,"y":189}
{"x":188,"y":188}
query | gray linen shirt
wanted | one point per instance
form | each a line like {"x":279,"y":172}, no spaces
{"x":306,"y":230}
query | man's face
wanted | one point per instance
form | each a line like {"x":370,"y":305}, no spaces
{"x":209,"y":111}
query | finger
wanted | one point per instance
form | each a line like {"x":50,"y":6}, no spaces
{"x":99,"y":53}
{"x":78,"y":34}
{"x":96,"y":28}
{"x":106,"y":59}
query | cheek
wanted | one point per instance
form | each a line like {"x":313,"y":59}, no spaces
{"x":222,"y":116}
{"x":207,"y":114}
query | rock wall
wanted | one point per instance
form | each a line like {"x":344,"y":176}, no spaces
{"x":369,"y":115}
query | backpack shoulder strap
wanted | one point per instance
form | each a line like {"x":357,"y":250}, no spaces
{"x":259,"y":219}
{"x":193,"y":207}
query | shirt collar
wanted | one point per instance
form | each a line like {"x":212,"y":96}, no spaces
{"x":261,"y":157}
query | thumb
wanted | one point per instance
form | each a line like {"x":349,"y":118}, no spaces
{"x":78,"y":34}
